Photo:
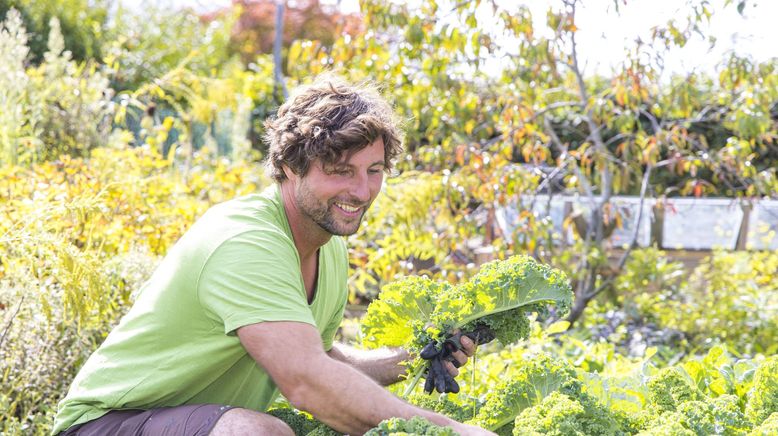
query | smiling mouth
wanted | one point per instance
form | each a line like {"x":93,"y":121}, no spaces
{"x":350,"y":210}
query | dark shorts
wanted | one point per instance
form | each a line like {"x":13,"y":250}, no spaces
{"x":189,"y":420}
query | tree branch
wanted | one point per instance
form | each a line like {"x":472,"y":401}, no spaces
{"x":605,"y":175}
{"x":10,"y":320}
{"x":652,"y":119}
{"x":633,"y":239}
{"x":556,"y":105}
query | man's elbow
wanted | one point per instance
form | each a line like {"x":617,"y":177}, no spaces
{"x":306,"y":388}
{"x":302,"y":396}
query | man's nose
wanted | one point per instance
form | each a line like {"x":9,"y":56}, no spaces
{"x":360,"y":188}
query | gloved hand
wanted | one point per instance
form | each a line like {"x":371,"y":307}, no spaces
{"x":438,"y":378}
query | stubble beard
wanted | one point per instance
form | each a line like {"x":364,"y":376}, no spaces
{"x":322,"y":214}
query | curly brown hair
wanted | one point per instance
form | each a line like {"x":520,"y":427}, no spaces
{"x":327,"y":120}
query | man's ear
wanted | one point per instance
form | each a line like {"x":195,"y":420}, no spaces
{"x":290,"y":175}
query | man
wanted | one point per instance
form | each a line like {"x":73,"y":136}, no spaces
{"x":247,"y":302}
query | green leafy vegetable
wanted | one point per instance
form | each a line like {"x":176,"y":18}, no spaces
{"x":414,"y":426}
{"x":720,"y":416}
{"x":669,"y":388}
{"x":533,"y":381}
{"x":323,"y":430}
{"x":669,"y":424}
{"x":400,"y":312}
{"x":763,"y":400}
{"x":414,"y":311}
{"x":301,"y":423}
{"x":562,"y":415}
{"x":768,"y":428}
{"x":499,"y":295}
{"x":458,"y":412}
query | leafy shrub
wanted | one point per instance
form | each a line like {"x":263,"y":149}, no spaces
{"x":730,"y":298}
{"x":138,"y":44}
{"x":55,"y":108}
{"x":82,"y":22}
{"x":19,"y":111}
{"x":42,"y":348}
{"x":78,"y":237}
{"x":76,"y":101}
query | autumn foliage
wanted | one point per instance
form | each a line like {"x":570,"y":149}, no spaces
{"x":254,"y":30}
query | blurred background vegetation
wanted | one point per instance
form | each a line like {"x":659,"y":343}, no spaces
{"x":119,"y":127}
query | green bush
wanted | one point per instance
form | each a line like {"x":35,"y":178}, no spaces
{"x":59,"y":107}
{"x":729,"y":298}
{"x":42,"y":348}
{"x":139,"y":45}
{"x":77,"y":238}
{"x":82,"y":23}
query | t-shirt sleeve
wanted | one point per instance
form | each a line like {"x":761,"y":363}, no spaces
{"x":253,"y":277}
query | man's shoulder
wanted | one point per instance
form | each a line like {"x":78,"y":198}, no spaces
{"x":259,"y":207}
{"x":241,"y":226}
{"x":259,"y":211}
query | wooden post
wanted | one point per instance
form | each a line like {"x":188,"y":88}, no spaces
{"x":742,"y":236}
{"x":657,"y":226}
{"x":567,"y":209}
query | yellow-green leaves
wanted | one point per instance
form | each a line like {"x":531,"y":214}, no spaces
{"x":401,"y":309}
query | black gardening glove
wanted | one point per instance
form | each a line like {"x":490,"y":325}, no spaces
{"x":438,"y":378}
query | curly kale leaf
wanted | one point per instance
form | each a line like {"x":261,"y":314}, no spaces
{"x":418,"y":312}
{"x":727,"y":415}
{"x":518,"y":282}
{"x":416,"y":426}
{"x":509,"y":326}
{"x":398,"y":317}
{"x":669,"y":388}
{"x":719,"y":416}
{"x":533,"y":381}
{"x":562,"y":415}
{"x":323,"y":430}
{"x":768,"y":428}
{"x":763,"y":398}
{"x":668,"y":424}
{"x":411,"y":311}
{"x":456,"y":411}
{"x":633,"y":422}
{"x":300,"y":423}
{"x":722,"y":415}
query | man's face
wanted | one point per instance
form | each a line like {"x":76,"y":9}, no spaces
{"x":337,"y":197}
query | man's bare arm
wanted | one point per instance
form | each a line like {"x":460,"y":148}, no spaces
{"x":332,"y":391}
{"x":383,"y":365}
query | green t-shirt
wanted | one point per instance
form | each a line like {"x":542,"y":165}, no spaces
{"x":177,"y":345}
